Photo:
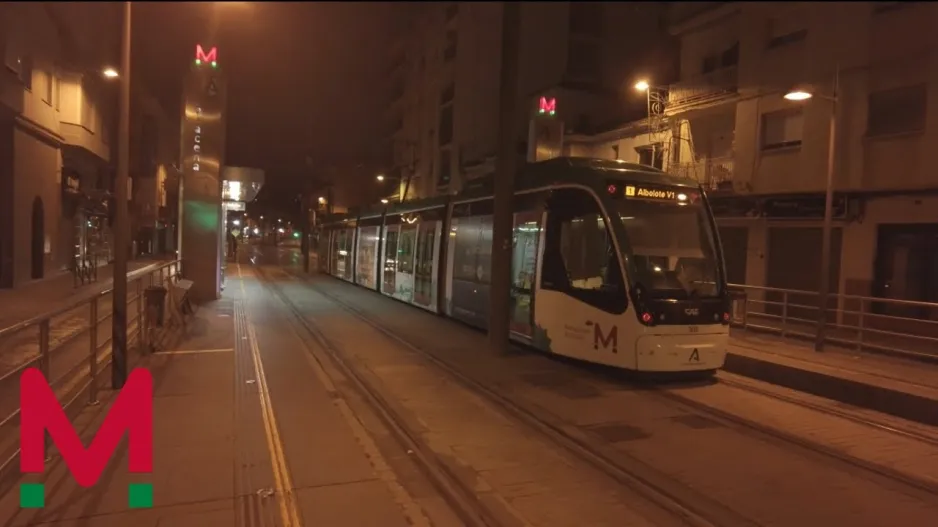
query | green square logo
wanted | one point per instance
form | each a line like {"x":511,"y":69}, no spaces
{"x":32,"y":495}
{"x":140,"y":495}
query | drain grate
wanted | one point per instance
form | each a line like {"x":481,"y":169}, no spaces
{"x":618,"y":432}
{"x":562,"y":384}
{"x":697,"y":422}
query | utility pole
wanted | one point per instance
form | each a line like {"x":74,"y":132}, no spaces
{"x":505,"y":167}
{"x":304,"y":219}
{"x":824,"y":274}
{"x":121,"y":228}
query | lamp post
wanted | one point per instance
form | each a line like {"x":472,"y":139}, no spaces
{"x":121,"y":227}
{"x":824,"y":277}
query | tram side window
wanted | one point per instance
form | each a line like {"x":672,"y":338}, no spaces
{"x":579,"y":256}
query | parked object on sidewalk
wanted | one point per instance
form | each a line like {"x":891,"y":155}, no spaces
{"x":156,"y":304}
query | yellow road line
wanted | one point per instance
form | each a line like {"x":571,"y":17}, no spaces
{"x":283,"y":484}
{"x":195,"y":352}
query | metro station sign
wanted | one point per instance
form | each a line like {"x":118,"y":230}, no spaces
{"x":547,"y":106}
{"x":210,"y":58}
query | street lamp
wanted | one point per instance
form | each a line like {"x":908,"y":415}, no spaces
{"x":380,"y":177}
{"x":803,"y":94}
{"x":110,"y":73}
{"x":384,"y":200}
{"x":642,"y":85}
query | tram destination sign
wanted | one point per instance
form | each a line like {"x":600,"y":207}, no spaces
{"x":653,"y":193}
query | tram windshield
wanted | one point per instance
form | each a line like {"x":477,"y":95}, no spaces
{"x":673,"y":247}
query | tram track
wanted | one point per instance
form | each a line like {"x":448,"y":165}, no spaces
{"x":460,"y":497}
{"x":871,"y":469}
{"x":879,"y":426}
{"x":688,"y":505}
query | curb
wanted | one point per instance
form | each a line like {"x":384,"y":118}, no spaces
{"x":878,"y":398}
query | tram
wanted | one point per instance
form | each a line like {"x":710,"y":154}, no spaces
{"x":612,"y":262}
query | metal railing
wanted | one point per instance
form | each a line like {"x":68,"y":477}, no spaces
{"x":900,"y":327}
{"x":709,"y":172}
{"x":703,"y":89}
{"x":70,"y":346}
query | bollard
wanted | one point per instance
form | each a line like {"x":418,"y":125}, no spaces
{"x":93,"y":355}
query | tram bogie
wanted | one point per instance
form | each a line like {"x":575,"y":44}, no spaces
{"x":612,"y":263}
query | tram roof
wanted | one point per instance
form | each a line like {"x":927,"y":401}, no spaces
{"x":594,"y":172}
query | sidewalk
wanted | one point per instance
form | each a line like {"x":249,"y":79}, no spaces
{"x":231,"y":402}
{"x":42,"y":296}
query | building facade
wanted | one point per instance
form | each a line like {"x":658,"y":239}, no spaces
{"x":155,"y":174}
{"x":764,"y":158}
{"x":55,"y":142}
{"x":445,"y":72}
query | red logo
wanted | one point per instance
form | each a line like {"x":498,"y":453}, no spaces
{"x":605,"y":340}
{"x":201,"y":57}
{"x":547,"y":106}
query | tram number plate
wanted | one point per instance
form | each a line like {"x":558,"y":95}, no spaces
{"x":693,"y":329}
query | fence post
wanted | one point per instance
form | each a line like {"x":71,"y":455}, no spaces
{"x":784,"y":314}
{"x":860,"y":325}
{"x":93,"y":354}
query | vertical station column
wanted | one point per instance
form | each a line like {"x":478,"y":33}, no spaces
{"x":203,"y":152}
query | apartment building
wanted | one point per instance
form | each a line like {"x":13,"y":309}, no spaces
{"x":764,"y":158}
{"x":55,"y":145}
{"x":446,"y":66}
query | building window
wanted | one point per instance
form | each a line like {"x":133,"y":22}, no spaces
{"x":887,"y":7}
{"x":786,"y":39}
{"x":49,"y":88}
{"x":897,"y":111}
{"x":583,"y":59}
{"x":586,"y":18}
{"x":57,"y":90}
{"x":449,"y":52}
{"x":782,"y":129}
{"x":907,"y":269}
{"x":445,"y":168}
{"x":26,"y":71}
{"x":730,"y":57}
{"x":651,"y":156}
{"x":446,"y":125}
{"x":446,"y":96}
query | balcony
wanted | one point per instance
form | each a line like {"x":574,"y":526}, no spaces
{"x":706,"y":90}
{"x":715,"y":173}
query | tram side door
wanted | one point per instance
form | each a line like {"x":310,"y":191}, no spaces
{"x":525,"y":237}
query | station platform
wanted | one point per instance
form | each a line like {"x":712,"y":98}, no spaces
{"x":245,"y":433}
{"x":900,"y":387}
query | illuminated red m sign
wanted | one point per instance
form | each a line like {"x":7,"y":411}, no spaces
{"x":202,"y":57}
{"x":547,"y":106}
{"x":132,"y":412}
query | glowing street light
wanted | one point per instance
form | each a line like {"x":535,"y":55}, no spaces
{"x":280,"y":230}
{"x":384,"y":200}
{"x":642,"y":85}
{"x":110,"y":73}
{"x":380,"y":177}
{"x":322,"y":200}
{"x":798,"y":95}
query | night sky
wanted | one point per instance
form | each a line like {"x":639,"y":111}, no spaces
{"x":302,"y":77}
